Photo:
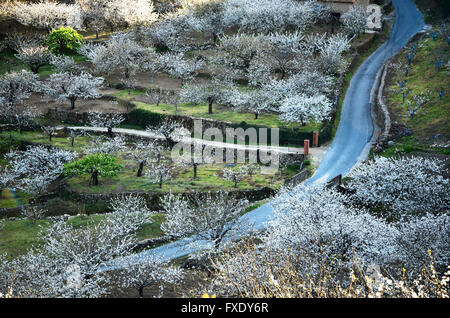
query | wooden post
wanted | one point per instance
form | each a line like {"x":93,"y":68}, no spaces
{"x":315,"y":139}
{"x":306,"y":147}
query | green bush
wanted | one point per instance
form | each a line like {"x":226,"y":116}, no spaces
{"x":288,"y":136}
{"x":97,"y":207}
{"x":145,"y":118}
{"x":98,"y":164}
{"x":65,"y":40}
{"x":59,"y":206}
{"x":7,"y":144}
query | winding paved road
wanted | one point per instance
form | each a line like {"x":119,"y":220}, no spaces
{"x":353,"y":137}
{"x":355,"y":131}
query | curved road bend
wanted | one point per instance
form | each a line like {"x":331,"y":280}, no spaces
{"x":352,"y":140}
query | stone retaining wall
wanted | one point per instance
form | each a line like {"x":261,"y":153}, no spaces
{"x":153,"y":198}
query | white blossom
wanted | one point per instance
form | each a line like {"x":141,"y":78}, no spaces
{"x":152,"y":271}
{"x":15,"y":87}
{"x":305,"y":109}
{"x":72,"y":86}
{"x":48,"y":15}
{"x":178,"y":66}
{"x":331,"y":52}
{"x":107,"y":145}
{"x":37,"y":166}
{"x":235,"y":175}
{"x":159,"y":172}
{"x":403,"y":185}
{"x":355,"y":19}
{"x":321,"y":229}
{"x":210,"y":217}
{"x":106,"y":120}
{"x":35,"y":56}
{"x":121,"y":53}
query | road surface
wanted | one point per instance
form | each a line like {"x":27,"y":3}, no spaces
{"x":352,"y":141}
{"x":353,"y":137}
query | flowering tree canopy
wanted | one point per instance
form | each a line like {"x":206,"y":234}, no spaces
{"x":403,"y":185}
{"x":48,"y":15}
{"x":37,"y":167}
{"x":210,"y":217}
{"x":72,"y":86}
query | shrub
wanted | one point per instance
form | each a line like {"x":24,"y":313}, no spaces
{"x":65,"y":40}
{"x":59,"y":206}
{"x":98,"y":164}
{"x":7,"y":144}
{"x":144,"y":118}
{"x":97,"y":207}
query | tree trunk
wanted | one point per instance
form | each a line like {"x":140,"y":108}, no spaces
{"x":96,"y":35}
{"x":50,"y":135}
{"x":110,"y":132}
{"x":72,"y":139}
{"x":94,"y":177}
{"x":160,"y":182}
{"x":210,"y":108}
{"x":195,"y":170}
{"x":140,"y":169}
{"x":34,"y":69}
{"x":72,"y":103}
{"x":256,"y":116}
{"x":62,"y":45}
{"x":141,"y":291}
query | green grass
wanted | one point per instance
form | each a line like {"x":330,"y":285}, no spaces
{"x":79,"y":145}
{"x":126,"y":179}
{"x":434,"y":117}
{"x":80,"y":221}
{"x":7,"y":201}
{"x":17,"y":237}
{"x":90,"y":35}
{"x":254,"y":206}
{"x":128,"y":94}
{"x":151,"y":230}
{"x":183,"y":180}
{"x":9,"y":63}
{"x":225,"y":114}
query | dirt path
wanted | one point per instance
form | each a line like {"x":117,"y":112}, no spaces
{"x":314,"y":152}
